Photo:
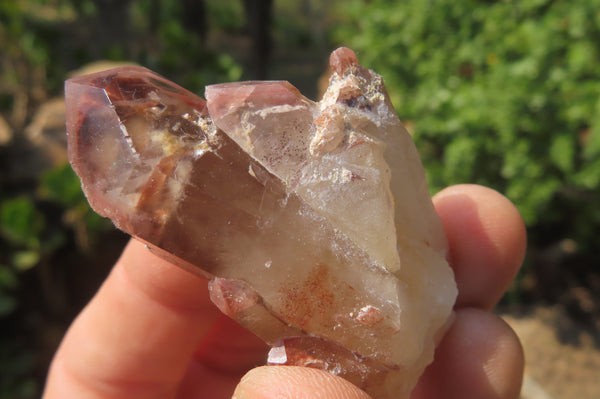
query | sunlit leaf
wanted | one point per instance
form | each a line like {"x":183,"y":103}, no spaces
{"x":25,"y":260}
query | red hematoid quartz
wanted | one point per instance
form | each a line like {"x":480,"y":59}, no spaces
{"x":312,"y":220}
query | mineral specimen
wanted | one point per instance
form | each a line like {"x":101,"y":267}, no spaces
{"x":312,"y":220}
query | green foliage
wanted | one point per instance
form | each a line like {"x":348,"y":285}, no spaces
{"x":20,"y":222}
{"x":62,"y":186}
{"x":505,"y":94}
{"x":42,"y":40}
{"x":21,"y":245}
{"x":27,"y":238}
{"x":178,"y":52}
{"x":28,"y":38}
{"x":226,"y":15}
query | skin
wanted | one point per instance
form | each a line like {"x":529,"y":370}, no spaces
{"x":152,"y":332}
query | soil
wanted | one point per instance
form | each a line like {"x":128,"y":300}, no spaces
{"x":562,"y":355}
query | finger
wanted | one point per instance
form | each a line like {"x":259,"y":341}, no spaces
{"x":479,"y":357}
{"x":225,"y":354}
{"x":136,"y":336}
{"x":290,"y":382}
{"x":226,"y":346}
{"x":487,"y":242}
{"x":229,"y":347}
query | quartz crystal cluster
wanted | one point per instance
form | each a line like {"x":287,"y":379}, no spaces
{"x":312,"y":220}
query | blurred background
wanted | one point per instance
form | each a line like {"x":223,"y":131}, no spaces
{"x":500,"y":93}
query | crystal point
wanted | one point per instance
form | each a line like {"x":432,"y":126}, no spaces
{"x":312,"y":219}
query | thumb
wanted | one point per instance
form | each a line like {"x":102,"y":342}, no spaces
{"x":287,"y":382}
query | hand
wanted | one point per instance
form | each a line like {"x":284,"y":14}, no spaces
{"x":152,"y":332}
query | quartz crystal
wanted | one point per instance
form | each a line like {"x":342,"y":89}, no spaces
{"x":312,"y":220}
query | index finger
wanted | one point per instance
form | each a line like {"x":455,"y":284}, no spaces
{"x":487,"y":240}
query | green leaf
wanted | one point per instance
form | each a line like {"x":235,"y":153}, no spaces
{"x":562,"y":152}
{"x":460,"y":156}
{"x":581,"y":56}
{"x":21,"y":222}
{"x":62,"y":186}
{"x":25,"y":260}
{"x":233,"y":70}
{"x":589,"y":176}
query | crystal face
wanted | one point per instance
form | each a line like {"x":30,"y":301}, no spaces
{"x":311,"y":219}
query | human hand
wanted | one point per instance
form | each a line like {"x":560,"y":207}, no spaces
{"x":152,"y":332}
